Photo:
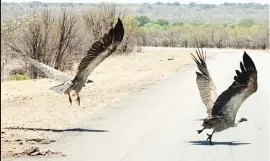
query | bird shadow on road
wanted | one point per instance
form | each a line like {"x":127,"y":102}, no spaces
{"x":229,"y":143}
{"x":56,"y":130}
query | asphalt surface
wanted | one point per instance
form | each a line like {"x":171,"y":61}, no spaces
{"x":158,"y":124}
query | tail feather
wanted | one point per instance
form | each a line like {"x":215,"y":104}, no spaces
{"x":62,"y":87}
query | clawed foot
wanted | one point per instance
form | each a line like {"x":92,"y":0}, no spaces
{"x":70,"y":100}
{"x":78,"y":100}
{"x":209,"y":138}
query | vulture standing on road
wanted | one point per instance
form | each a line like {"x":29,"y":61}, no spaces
{"x":222,"y":110}
{"x":98,"y":52}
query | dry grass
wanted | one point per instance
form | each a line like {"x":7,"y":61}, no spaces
{"x":30,"y":104}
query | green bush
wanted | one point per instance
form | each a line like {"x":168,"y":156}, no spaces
{"x":20,"y":77}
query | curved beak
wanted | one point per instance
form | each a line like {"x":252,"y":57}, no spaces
{"x":89,"y":81}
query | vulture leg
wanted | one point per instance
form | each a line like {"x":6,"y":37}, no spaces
{"x":69,"y":98}
{"x":210,"y":137}
{"x":199,"y":131}
{"x":78,"y":99}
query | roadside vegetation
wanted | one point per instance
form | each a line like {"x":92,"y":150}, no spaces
{"x":60,"y":36}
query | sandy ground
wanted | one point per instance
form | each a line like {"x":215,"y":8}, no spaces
{"x":33,"y":115}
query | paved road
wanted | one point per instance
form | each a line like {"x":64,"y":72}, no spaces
{"x":158,"y":124}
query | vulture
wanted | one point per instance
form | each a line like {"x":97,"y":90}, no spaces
{"x":98,"y":52}
{"x":222,"y":110}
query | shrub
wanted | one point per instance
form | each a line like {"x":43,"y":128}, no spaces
{"x":20,"y":77}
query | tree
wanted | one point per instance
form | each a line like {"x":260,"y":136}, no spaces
{"x":49,"y":42}
{"x":100,"y":19}
{"x":34,"y":41}
{"x":66,"y":39}
{"x":192,"y":4}
{"x":11,"y":29}
{"x":229,"y":4}
{"x":164,"y":42}
{"x":131,"y":31}
{"x":142,"y":20}
{"x":162,"y":22}
{"x":176,"y":4}
{"x":141,"y":39}
{"x":158,"y":3}
{"x":205,"y":6}
{"x":218,"y":36}
{"x":247,"y":22}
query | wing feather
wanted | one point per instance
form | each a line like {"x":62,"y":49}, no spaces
{"x":100,"y":50}
{"x":244,"y":85}
{"x":204,"y":81}
{"x":45,"y":69}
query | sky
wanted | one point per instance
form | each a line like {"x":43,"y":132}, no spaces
{"x":144,"y":1}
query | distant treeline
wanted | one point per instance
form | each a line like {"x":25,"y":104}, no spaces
{"x":246,"y":34}
{"x":191,"y":4}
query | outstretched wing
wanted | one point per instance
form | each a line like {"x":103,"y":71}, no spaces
{"x":244,"y":85}
{"x":204,"y":81}
{"x":47,"y":70}
{"x":100,"y":50}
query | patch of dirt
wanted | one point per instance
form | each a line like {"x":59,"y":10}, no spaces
{"x":40,"y":140}
{"x":35,"y":151}
{"x":40,"y":116}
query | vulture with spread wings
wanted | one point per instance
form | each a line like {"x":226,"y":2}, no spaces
{"x":98,"y":52}
{"x":222,"y":110}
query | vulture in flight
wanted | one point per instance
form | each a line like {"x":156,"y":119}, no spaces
{"x":222,"y":110}
{"x":98,"y":52}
